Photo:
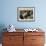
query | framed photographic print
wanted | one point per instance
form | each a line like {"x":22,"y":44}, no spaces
{"x":26,"y":14}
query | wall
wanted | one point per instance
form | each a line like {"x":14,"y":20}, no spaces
{"x":9,"y":13}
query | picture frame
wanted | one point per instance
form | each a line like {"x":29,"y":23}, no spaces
{"x":26,"y":14}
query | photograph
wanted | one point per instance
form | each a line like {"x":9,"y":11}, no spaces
{"x":25,"y":14}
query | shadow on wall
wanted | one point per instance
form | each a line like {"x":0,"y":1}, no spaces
{"x":2,"y":27}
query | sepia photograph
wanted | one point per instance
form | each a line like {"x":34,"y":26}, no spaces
{"x":25,"y":14}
